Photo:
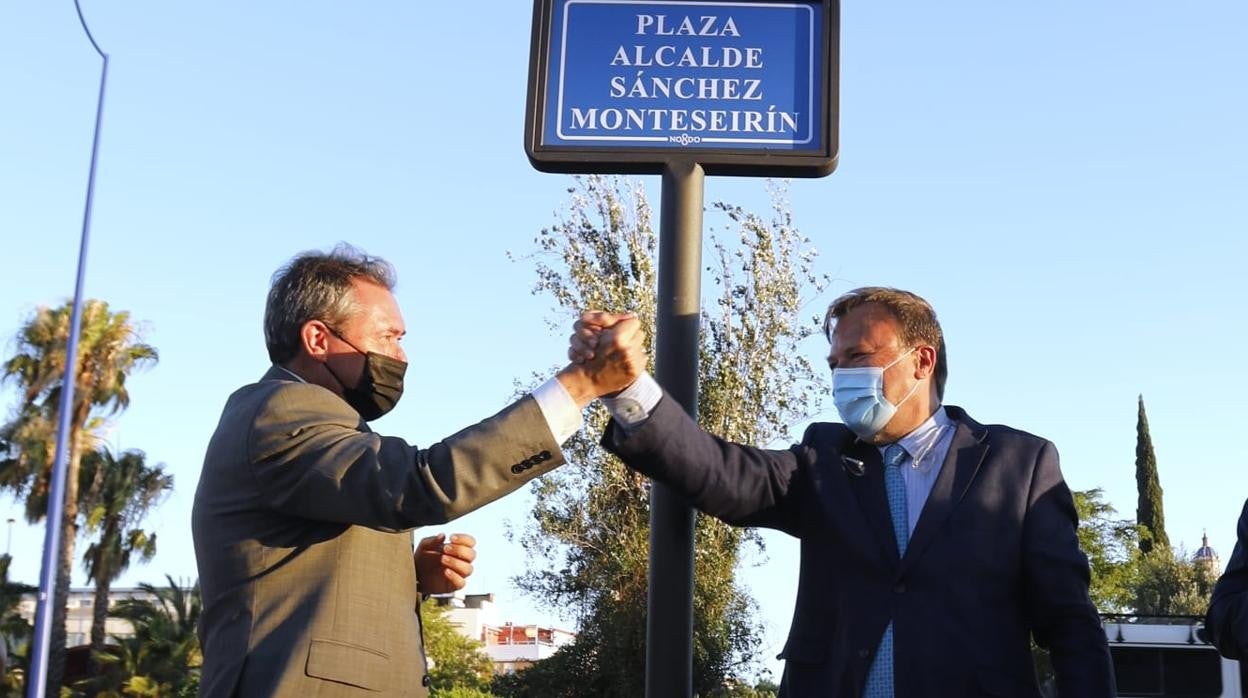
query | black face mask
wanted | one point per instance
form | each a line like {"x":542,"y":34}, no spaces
{"x":380,"y":385}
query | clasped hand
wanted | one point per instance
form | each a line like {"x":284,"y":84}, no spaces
{"x":608,"y":354}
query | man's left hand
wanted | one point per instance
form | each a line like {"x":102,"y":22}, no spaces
{"x":443,"y":567}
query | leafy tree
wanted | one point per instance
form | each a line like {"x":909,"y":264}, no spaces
{"x":116,"y":494}
{"x":747,"y":691}
{"x":1149,"y":513}
{"x":458,"y":662}
{"x":1110,"y":545}
{"x":462,"y":692}
{"x":1171,"y":584}
{"x":572,"y":671}
{"x":588,"y":537}
{"x":14,"y":628}
{"x":108,"y":351}
{"x":163,"y":657}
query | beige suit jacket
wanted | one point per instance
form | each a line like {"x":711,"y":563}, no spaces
{"x":302,"y":525}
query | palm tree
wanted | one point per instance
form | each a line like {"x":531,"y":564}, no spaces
{"x":115,"y":496}
{"x":164,"y":629}
{"x":14,"y":628}
{"x":108,"y":351}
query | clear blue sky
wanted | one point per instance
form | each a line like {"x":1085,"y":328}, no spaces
{"x":1067,"y":182}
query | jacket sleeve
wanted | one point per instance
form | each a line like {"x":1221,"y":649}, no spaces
{"x":1055,"y":579}
{"x":1228,"y":610}
{"x":738,"y":484}
{"x":312,"y":457}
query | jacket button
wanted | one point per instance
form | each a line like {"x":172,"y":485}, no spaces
{"x":425,"y":681}
{"x":863,"y":654}
{"x":517,"y":469}
{"x":900,"y":588}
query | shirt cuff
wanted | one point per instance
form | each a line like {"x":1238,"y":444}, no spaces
{"x":562,"y":414}
{"x":632,"y":406}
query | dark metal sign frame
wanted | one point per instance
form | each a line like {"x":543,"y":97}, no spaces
{"x":642,"y":159}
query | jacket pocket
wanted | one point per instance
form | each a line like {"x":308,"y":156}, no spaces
{"x":345,"y":663}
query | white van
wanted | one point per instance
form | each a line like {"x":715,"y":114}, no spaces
{"x":1170,"y":657}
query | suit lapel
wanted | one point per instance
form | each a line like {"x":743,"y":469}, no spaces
{"x":966,"y":453}
{"x":868,"y":489}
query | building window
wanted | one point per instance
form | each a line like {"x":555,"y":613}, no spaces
{"x":1192,"y":673}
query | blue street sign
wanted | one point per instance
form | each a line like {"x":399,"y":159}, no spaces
{"x":684,"y":78}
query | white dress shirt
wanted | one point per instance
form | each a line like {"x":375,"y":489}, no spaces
{"x":927,"y":447}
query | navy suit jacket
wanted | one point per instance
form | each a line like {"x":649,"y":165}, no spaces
{"x":993,"y":559}
{"x":1228,"y":610}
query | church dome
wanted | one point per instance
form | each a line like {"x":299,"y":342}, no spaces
{"x":1204,"y":553}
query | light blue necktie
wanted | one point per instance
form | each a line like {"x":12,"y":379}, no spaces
{"x":880,"y":677}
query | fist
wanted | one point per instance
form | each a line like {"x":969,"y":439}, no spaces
{"x":607,"y":351}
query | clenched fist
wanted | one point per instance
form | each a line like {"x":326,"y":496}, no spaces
{"x":607,"y":352}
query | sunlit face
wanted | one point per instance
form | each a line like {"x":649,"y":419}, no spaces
{"x":377,"y":327}
{"x":869,"y":336}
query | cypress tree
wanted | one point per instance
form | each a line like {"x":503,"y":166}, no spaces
{"x":1148,"y":513}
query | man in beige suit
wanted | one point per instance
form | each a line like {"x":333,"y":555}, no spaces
{"x":303,"y":516}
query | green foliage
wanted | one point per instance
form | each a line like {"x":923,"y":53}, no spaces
{"x":115,"y":495}
{"x":1171,"y":584}
{"x":1167,"y":582}
{"x":17,"y":632}
{"x":589,"y":534}
{"x":461,"y":692}
{"x":458,"y":664}
{"x":572,"y":671}
{"x":163,"y":657}
{"x":762,"y":689}
{"x":1110,"y":545}
{"x":108,"y":351}
{"x":1125,"y":580}
{"x":1149,"y":512}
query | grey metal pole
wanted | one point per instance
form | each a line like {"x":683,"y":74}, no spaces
{"x":669,"y":620}
{"x":45,"y":611}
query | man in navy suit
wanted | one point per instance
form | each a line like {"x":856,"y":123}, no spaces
{"x":933,"y":547}
{"x":1228,"y":609}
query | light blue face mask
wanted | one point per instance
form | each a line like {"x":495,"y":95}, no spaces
{"x":858,"y":394}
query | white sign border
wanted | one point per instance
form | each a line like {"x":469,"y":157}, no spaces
{"x":563,"y":41}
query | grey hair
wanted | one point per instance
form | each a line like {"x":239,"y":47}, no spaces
{"x":317,"y":286}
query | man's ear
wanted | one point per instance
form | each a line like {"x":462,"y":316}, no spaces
{"x":926,"y":366}
{"x":314,"y":336}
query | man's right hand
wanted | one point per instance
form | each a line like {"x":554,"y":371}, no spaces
{"x":608,"y":354}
